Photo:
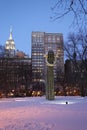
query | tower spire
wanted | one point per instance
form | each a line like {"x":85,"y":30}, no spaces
{"x":10,"y":37}
{"x":10,"y":45}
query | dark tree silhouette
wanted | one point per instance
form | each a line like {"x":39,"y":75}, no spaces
{"x":76,"y":53}
{"x":75,"y":8}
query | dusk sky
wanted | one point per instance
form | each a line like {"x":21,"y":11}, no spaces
{"x":26,"y":16}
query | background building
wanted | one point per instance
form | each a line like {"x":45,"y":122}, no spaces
{"x":54,"y":42}
{"x":38,"y":62}
{"x":15,"y":70}
{"x":42,"y":43}
{"x":10,"y":46}
{"x":2,"y":51}
{"x":15,"y":74}
{"x":76,"y":75}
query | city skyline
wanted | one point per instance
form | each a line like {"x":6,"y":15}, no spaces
{"x":25,"y":17}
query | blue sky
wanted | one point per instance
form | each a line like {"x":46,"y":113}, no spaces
{"x":26,"y":16}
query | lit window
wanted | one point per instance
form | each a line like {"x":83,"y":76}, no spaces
{"x":58,"y":39}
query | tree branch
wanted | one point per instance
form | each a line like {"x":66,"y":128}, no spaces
{"x":83,"y":7}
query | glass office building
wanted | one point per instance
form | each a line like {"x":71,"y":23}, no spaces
{"x":42,"y":43}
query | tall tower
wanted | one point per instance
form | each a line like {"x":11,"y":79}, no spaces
{"x":42,"y":43}
{"x":10,"y":45}
{"x":37,"y":57}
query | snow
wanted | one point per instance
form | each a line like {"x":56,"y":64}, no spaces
{"x":37,"y":113}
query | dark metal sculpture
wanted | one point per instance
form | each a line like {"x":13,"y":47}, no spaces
{"x":50,"y":76}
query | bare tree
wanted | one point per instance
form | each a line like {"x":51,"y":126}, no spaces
{"x":76,"y":53}
{"x":76,"y":46}
{"x":75,"y":8}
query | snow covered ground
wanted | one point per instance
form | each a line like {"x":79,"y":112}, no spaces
{"x":37,"y":113}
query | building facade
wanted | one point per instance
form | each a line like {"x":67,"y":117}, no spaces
{"x":37,"y":57}
{"x":10,"y":46}
{"x":42,"y":43}
{"x":15,"y":74}
{"x":15,"y":69}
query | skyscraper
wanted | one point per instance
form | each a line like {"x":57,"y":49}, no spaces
{"x":42,"y":43}
{"x":37,"y":57}
{"x":10,"y":45}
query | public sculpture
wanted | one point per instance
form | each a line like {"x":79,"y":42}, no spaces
{"x":50,"y":75}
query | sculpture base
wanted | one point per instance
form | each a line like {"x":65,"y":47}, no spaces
{"x":50,"y":83}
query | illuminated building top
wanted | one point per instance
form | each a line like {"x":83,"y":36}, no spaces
{"x":10,"y":45}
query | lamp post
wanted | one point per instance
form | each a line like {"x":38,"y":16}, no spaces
{"x":82,"y":84}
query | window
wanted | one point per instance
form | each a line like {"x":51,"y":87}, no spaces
{"x":49,"y":38}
